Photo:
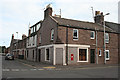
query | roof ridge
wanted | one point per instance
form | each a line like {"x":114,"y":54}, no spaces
{"x":53,"y":19}
{"x":75,"y":20}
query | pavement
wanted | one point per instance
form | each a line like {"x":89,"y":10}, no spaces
{"x":34,"y":64}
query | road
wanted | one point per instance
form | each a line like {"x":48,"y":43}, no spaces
{"x":18,"y":69}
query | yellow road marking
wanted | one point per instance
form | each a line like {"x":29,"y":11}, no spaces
{"x":49,"y":67}
{"x":98,"y":67}
{"x":28,"y":65}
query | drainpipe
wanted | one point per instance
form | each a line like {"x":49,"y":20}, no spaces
{"x":67,"y":45}
{"x":96,"y":48}
{"x":104,"y":45}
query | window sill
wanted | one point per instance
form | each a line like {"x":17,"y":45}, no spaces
{"x":75,"y":39}
{"x":82,"y":61}
{"x":47,"y":60}
{"x":92,"y":38}
{"x":51,"y":40}
{"x":107,"y":59}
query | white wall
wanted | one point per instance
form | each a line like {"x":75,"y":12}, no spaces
{"x":32,"y":40}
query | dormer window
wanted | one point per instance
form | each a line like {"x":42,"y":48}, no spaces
{"x":75,"y":34}
{"x":92,"y":35}
{"x":52,"y":34}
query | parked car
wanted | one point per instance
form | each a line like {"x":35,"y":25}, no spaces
{"x":9,"y":56}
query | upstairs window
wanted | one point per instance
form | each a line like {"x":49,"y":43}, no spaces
{"x":40,"y":39}
{"x":33,"y":40}
{"x":75,"y":34}
{"x":38,"y":26}
{"x":107,"y":54}
{"x":31,"y":30}
{"x":100,"y":53}
{"x":106,"y":38}
{"x":92,"y":35}
{"x":52,"y":34}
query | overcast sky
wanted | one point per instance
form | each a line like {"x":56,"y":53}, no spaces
{"x":15,"y":15}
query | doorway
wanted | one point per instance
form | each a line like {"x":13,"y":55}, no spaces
{"x":39,"y":55}
{"x":92,"y":56}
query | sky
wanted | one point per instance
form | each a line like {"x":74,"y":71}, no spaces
{"x":15,"y":15}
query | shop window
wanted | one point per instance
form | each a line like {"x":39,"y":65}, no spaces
{"x":82,"y":54}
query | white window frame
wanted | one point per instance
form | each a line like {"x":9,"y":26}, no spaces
{"x":52,"y":34}
{"x":40,"y":38}
{"x":31,"y":30}
{"x":108,"y":55}
{"x":33,"y":40}
{"x":100,"y":52}
{"x":46,"y":54}
{"x":38,"y":26}
{"x":93,"y":35}
{"x":106,"y":40}
{"x":76,"y":38}
{"x":86,"y":55}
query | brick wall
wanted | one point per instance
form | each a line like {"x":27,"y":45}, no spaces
{"x":84,"y":39}
{"x":45,"y":32}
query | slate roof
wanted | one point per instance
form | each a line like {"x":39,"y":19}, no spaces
{"x":114,"y":26}
{"x":80,"y":24}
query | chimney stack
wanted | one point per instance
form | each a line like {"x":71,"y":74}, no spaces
{"x":12,"y":36}
{"x":99,"y":17}
{"x":24,"y":36}
{"x":48,"y":11}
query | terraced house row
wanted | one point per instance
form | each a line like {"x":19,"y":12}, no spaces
{"x":60,"y":41}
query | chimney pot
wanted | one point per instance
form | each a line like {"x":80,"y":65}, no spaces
{"x":48,"y":11}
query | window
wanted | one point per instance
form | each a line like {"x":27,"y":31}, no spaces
{"x":75,"y":34}
{"x":107,"y":54}
{"x":38,"y":26}
{"x":100,"y":54}
{"x":82,"y":54}
{"x":47,"y":54}
{"x":92,"y":35}
{"x":106,"y":38}
{"x":33,"y":54}
{"x":27,"y":53}
{"x":40,"y":39}
{"x":33,"y":40}
{"x":52,"y":34}
{"x":31,"y":30}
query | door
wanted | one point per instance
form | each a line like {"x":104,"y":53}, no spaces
{"x":39,"y":55}
{"x":92,"y":56}
{"x":59,"y":56}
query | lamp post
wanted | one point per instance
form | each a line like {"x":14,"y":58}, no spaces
{"x":104,"y":40}
{"x":17,"y":45}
